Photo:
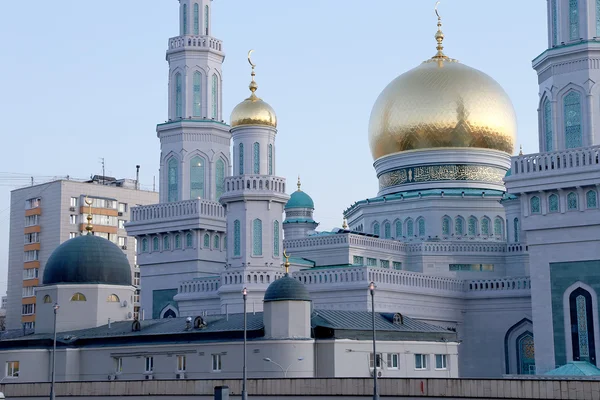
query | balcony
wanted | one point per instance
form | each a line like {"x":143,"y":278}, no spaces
{"x":572,"y":160}
{"x":193,"y":41}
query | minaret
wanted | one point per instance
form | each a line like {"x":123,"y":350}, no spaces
{"x":194,"y":140}
{"x":299,"y":222}
{"x":568,"y":109}
{"x":254,"y":199}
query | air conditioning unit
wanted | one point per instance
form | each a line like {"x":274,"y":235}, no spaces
{"x":379,"y":372}
{"x":149,"y":377}
{"x":112,"y":377}
{"x":124,"y":247}
{"x":71,"y":208}
{"x":120,"y":214}
{"x":180,"y":375}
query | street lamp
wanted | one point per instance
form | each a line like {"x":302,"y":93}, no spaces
{"x":244,"y":392}
{"x":372,"y":290}
{"x":55,"y":307}
{"x":285,"y":371}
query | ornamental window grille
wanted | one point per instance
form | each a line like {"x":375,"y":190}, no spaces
{"x":276,"y":238}
{"x":241,"y":158}
{"x":573,"y":20}
{"x":185,"y":19}
{"x":215,"y":98}
{"x":166,"y":242}
{"x":548,"y":126}
{"x":173,"y":178}
{"x":257,"y":237}
{"x":459,"y":226}
{"x":446,"y":226}
{"x":597,"y":17}
{"x":219,"y":178}
{"x":421,"y":227}
{"x":498,"y":228}
{"x":376,"y":229}
{"x":485,"y":226}
{"x":387,"y":230}
{"x":256,"y":152}
{"x":155,"y":244}
{"x":270,"y":156}
{"x":553,"y":203}
{"x":216,"y":242}
{"x":572,"y":201}
{"x":358,"y":260}
{"x":472,"y":226}
{"x":178,"y":96}
{"x":534,"y":204}
{"x":189,"y":240}
{"x":582,"y":326}
{"x":178,"y":241}
{"x":206,"y":20}
{"x":554,"y":23}
{"x":196,"y":19}
{"x":517,"y":229}
{"x":206,"y":242}
{"x":591,"y":199}
{"x":398,"y":229}
{"x":572,"y":117}
{"x":410,"y":228}
{"x":237,"y":232}
{"x":197,"y":168}
{"x":526,"y":354}
{"x":197,"y":111}
{"x":144,"y":245}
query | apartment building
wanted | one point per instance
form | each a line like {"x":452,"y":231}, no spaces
{"x":46,"y":215}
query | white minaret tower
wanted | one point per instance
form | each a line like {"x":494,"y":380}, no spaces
{"x":194,"y":141}
{"x":254,"y":199}
{"x":569,"y":107}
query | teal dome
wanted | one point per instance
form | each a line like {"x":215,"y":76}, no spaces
{"x":299,"y":199}
{"x":286,"y":288}
{"x":87,"y":259}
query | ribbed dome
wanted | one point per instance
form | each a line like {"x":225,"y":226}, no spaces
{"x":87,"y":259}
{"x":286,"y":288}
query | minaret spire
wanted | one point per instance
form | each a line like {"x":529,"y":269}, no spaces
{"x":89,"y":227}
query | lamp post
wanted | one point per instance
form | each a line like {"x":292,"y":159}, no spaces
{"x":285,"y":371}
{"x":372,"y":290}
{"x":55,"y":307}
{"x":244,"y":392}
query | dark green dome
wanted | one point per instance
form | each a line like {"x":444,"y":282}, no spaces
{"x":286,"y":288}
{"x":299,"y":199}
{"x":87,"y":259}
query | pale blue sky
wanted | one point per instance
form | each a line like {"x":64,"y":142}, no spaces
{"x":81,"y":80}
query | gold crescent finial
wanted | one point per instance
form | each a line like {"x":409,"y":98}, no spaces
{"x":250,"y":59}
{"x":435,"y":8}
{"x":439,"y":36}
{"x":345,"y":224}
{"x":89,"y":226}
{"x":299,"y":184}
{"x":287,"y":262}
{"x":253,"y":86}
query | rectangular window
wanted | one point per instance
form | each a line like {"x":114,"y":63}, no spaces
{"x":181,"y":363}
{"x":74,"y":201}
{"x":397,"y":265}
{"x":123,"y":207}
{"x":472,"y":267}
{"x":122,"y":241}
{"x":32,"y":203}
{"x":28,"y":309}
{"x":12,"y":369}
{"x":32,"y":220}
{"x":118,"y":365}
{"x":29,"y":325}
{"x":103,"y":203}
{"x":421,"y":361}
{"x":393,"y":361}
{"x":32,"y":237}
{"x":372,"y":262}
{"x":73,"y":235}
{"x":28,"y":291}
{"x":31,"y":255}
{"x":216,"y":362}
{"x":73,"y":219}
{"x":121,"y":224}
{"x":440,"y":361}
{"x":31,"y":273}
{"x":379,"y":358}
{"x":149,"y":364}
{"x":384,"y":263}
{"x":358,"y":260}
{"x":136,"y":279}
{"x":104,"y":220}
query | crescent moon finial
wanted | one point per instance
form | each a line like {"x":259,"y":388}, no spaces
{"x":250,"y":59}
{"x":437,"y":3}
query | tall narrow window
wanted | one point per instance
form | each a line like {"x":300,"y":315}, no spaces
{"x":270,"y":155}
{"x":206,"y":20}
{"x":185,"y":19}
{"x":241,"y":156}
{"x":597,"y":17}
{"x":196,"y":19}
{"x":421,"y":226}
{"x":485,"y":226}
{"x":554,"y":23}
{"x":398,"y":229}
{"x":446,"y":226}
{"x":553,"y":203}
{"x":206,"y":241}
{"x":276,"y":238}
{"x":573,"y":136}
{"x":197,"y":94}
{"x":534,"y":204}
{"x":189,"y":240}
{"x":155,"y":244}
{"x":573,"y":20}
{"x":472,"y":228}
{"x":237,"y":232}
{"x":410,"y":228}
{"x":582,"y":326}
{"x":376,"y":229}
{"x":517,"y":229}
{"x":173,"y":177}
{"x":219,"y":177}
{"x":591,"y":199}
{"x":178,"y":96}
{"x":387,"y":230}
{"x":197,"y":164}
{"x":498,"y":231}
{"x":215,"y":96}
{"x":257,"y":237}
{"x":256,"y":151}
{"x":166,"y":242}
{"x":526,"y":354}
{"x":572,"y":201}
{"x":548,"y":126}
{"x":216,"y":242}
{"x":459,"y":226}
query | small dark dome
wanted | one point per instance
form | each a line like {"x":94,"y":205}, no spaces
{"x":286,"y":288}
{"x":87,"y":259}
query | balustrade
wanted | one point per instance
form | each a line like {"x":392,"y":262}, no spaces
{"x":254,"y":182}
{"x":586,"y":157}
{"x":496,"y":284}
{"x":185,"y":208}
{"x":195,"y":41}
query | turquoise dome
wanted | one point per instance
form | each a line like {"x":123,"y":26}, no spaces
{"x":299,"y":199}
{"x":286,"y":288}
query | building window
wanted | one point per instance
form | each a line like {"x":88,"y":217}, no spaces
{"x":572,"y":203}
{"x":32,"y":203}
{"x":393,"y":361}
{"x":397,"y":265}
{"x":256,"y":148}
{"x":548,"y":126}
{"x":572,"y":116}
{"x":47,"y":299}
{"x":410,"y":229}
{"x":113,"y":298}
{"x":28,"y":291}
{"x":33,"y":237}
{"x":28,"y":309}
{"x":224,"y":242}
{"x":459,"y":226}
{"x":597,"y":17}
{"x":358,"y":260}
{"x":421,"y":226}
{"x":371,"y":262}
{"x":189,"y":240}
{"x":591,"y":199}
{"x":216,"y":242}
{"x":517,"y":229}
{"x":118,"y":365}
{"x":276,"y":238}
{"x":144,"y":245}
{"x":441,"y":361}
{"x":206,"y":242}
{"x":206,"y":20}
{"x":122,"y":241}
{"x":32,"y":220}
{"x":554,"y":23}
{"x":78,"y":297}
{"x":553,"y":203}
{"x":121,"y":224}
{"x":178,"y":96}
{"x":196,"y":19}
{"x":166,"y":242}
{"x":237,"y":247}
{"x":155,"y":244}
{"x":12,"y":369}
{"x":582,"y":326}
{"x":472,"y":267}
{"x":241,"y":161}
{"x":472,"y":226}
{"x":197,"y":178}
{"x":73,"y":219}
{"x":376,"y":229}
{"x":379,"y":359}
{"x":498,"y":228}
{"x":215,"y":99}
{"x":573,"y":20}
{"x":219,"y":178}
{"x":149,"y":364}
{"x":384,"y":263}
{"x":270,"y":160}
{"x":387,"y":230}
{"x":31,"y":255}
{"x":257,"y":237}
{"x":185,"y":18}
{"x":173,"y":178}
{"x":216,"y":362}
{"x":74,"y":201}
{"x":421,"y":361}
{"x":178,"y":241}
{"x":181,"y":363}
{"x":525,"y":354}
{"x":534,"y":204}
{"x":197,"y":109}
{"x":485,"y":226}
{"x":446,"y":226}
{"x":398,"y":229}
{"x":123,"y":207}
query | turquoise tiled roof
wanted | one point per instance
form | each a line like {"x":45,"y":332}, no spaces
{"x":299,"y":221}
{"x":299,"y":199}
{"x":575,"y":368}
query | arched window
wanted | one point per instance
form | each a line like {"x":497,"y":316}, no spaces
{"x":78,"y":297}
{"x":376,"y":229}
{"x":236,"y":238}
{"x":155,"y":244}
{"x":387,"y":230}
{"x":591,"y":199}
{"x":572,"y":116}
{"x":173,"y":177}
{"x":185,"y":19}
{"x":548,"y":125}
{"x":219,"y":178}
{"x":573,"y":20}
{"x":572,"y":201}
{"x":206,"y":20}
{"x":216,"y":242}
{"x":446,"y":226}
{"x":485,"y":226}
{"x":270,"y":155}
{"x":582,"y":326}
{"x":554,"y":23}
{"x":534,"y":204}
{"x":113,"y":298}
{"x":410,"y":228}
{"x":421,"y":226}
{"x":553,"y":203}
{"x":398,"y":228}
{"x":206,"y":241}
{"x":526,"y":354}
{"x":47,"y":299}
{"x":189,"y":240}
{"x":256,"y":151}
{"x":257,"y":237}
{"x":498,"y":227}
{"x":144,"y":245}
{"x":166,"y":242}
{"x":276,"y":238}
{"x":459,"y":226}
{"x":197,"y":94}
{"x":472,"y":226}
{"x":597,"y":17}
{"x":196,"y":19}
{"x":177,"y":241}
{"x":224,"y":242}
{"x":178,"y":96}
{"x":241,"y":156}
{"x":215,"y":96}
{"x":197,"y":164}
{"x":517,"y":229}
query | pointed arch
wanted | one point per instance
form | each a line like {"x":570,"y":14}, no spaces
{"x":196,"y":19}
{"x":572,"y":201}
{"x":241,"y":158}
{"x":459,"y":226}
{"x":398,"y":228}
{"x":446,"y":225}
{"x":387,"y":229}
{"x":206,"y":241}
{"x":219,"y":178}
{"x":472,"y":226}
{"x":485,"y":226}
{"x":178,"y":95}
{"x":547,"y":125}
{"x":197,"y":177}
{"x":572,"y":116}
{"x":421,"y":226}
{"x":513,"y":336}
{"x":216,"y":242}
{"x":535,"y":205}
{"x":173,"y":179}
{"x":517,"y":230}
{"x":410,"y":227}
{"x":376,"y":228}
{"x":574,"y":20}
{"x":499,"y":227}
{"x":169,"y":311}
{"x":257,"y":237}
{"x":580,"y":315}
{"x":256,"y":158}
{"x":270,"y":159}
{"x":166,"y":242}
{"x":591,"y":198}
{"x":237,"y":232}
{"x":155,"y":244}
{"x":185,"y":19}
{"x":276,"y":238}
{"x":197,"y":106}
{"x":553,"y":203}
{"x":215,"y":96}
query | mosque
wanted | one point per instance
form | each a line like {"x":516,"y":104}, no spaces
{"x":497,"y":257}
